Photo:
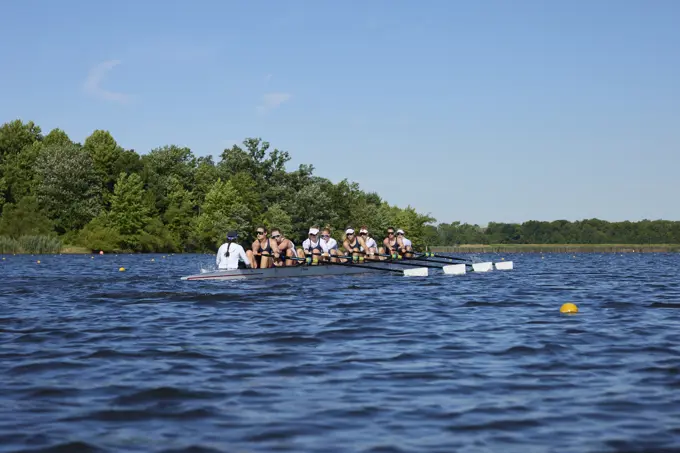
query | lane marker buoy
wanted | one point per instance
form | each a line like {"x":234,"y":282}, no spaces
{"x":568,"y":308}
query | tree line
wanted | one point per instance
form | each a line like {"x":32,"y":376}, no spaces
{"x":101,"y":196}
{"x":588,"y":231}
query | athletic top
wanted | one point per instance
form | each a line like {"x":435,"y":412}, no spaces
{"x":327,"y":246}
{"x":308,"y":245}
{"x":291,"y":246}
{"x":228,"y":255}
{"x":356,"y":245}
{"x":370,"y":242}
{"x":393,"y":246}
{"x":268,"y":248}
{"x":407,"y":243}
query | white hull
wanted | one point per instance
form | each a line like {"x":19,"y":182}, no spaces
{"x":294,"y":271}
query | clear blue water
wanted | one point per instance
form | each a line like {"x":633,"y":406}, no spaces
{"x":97,"y":360}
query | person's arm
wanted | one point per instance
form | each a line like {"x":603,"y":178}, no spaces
{"x":362,"y":243}
{"x":275,"y":249}
{"x":243,"y":256}
{"x":218,"y":258}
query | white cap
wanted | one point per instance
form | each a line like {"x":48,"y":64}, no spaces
{"x":313,"y":231}
{"x":349,"y":231}
{"x":400,"y":231}
{"x":363,"y":230}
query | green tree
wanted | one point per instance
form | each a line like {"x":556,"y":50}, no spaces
{"x":67,"y":187}
{"x":105,"y":154}
{"x":24,"y":219}
{"x":129,"y":213}
{"x":222,"y":211}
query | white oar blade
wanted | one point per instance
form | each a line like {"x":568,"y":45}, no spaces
{"x":416,"y":272}
{"x":504,"y":265}
{"x":454,"y":269}
{"x":482,"y":267}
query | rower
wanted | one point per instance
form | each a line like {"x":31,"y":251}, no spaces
{"x":371,"y":245}
{"x":329,"y":246}
{"x":263,"y":250}
{"x":406,"y":247}
{"x":286,"y":249}
{"x":390,"y":244}
{"x":354,"y":245}
{"x":311,"y":247}
{"x":231,"y":255}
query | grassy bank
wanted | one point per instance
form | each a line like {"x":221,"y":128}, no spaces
{"x":559,"y":248}
{"x":36,"y":245}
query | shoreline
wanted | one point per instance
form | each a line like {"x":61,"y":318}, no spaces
{"x":466,"y":248}
{"x":558,"y":248}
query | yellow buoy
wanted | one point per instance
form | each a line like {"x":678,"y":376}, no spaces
{"x":122,"y":269}
{"x":38,"y":261}
{"x":568,"y":308}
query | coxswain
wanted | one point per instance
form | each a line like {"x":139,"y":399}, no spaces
{"x":286,"y":249}
{"x":311,"y":247}
{"x":263,"y":250}
{"x":231,"y":255}
{"x":405,"y":245}
{"x":329,"y":246}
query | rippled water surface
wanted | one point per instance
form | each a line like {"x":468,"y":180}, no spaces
{"x":97,"y":360}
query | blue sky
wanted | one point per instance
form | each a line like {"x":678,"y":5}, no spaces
{"x":472,"y":111}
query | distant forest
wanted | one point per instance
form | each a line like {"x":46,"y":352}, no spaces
{"x":100,"y":196}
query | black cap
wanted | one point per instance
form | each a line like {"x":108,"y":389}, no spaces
{"x":232,"y":235}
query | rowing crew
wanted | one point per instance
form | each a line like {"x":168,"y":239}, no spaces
{"x":281,"y":251}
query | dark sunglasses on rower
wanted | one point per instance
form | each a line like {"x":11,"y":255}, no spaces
{"x":274,"y":236}
{"x":325,"y":236}
{"x":260,"y":232}
{"x":390,"y":232}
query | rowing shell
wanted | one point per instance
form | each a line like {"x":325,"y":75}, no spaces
{"x":306,"y":271}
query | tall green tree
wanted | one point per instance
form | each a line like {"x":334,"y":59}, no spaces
{"x":129,"y":213}
{"x":223,"y":210}
{"x":67,"y":187}
{"x":105,"y":154}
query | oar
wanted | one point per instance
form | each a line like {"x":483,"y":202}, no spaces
{"x":477,"y":267}
{"x":418,"y":272}
{"x":435,"y":255}
{"x":402,"y":262}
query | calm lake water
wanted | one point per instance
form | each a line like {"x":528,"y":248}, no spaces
{"x":97,"y":360}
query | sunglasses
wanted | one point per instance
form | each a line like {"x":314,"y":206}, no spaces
{"x":260,"y":232}
{"x":400,"y":234}
{"x":325,"y":235}
{"x":274,"y":236}
{"x":364,"y":234}
{"x":390,"y":232}
{"x":350,"y":234}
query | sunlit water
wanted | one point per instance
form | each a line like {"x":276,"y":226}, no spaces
{"x":97,"y":360}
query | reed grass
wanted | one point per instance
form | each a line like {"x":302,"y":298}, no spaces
{"x":30,"y":244}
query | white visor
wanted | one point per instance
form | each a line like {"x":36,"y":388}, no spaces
{"x":363,"y":230}
{"x":400,"y":231}
{"x":349,"y":231}
{"x":313,"y":231}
